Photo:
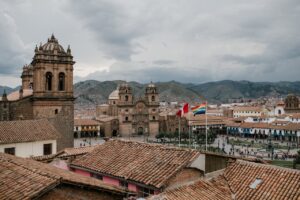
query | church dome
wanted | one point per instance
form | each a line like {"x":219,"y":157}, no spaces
{"x":151,"y":85}
{"x":52,"y":45}
{"x":114,"y":95}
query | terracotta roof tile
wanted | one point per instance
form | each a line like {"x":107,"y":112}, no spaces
{"x":277,"y":182}
{"x":239,"y":181}
{"x":216,"y":189}
{"x":150,"y":164}
{"x":22,"y":178}
{"x":67,"y":152}
{"x":27,"y":131}
{"x":85,"y":122}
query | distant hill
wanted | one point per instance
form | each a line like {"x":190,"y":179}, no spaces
{"x":222,"y":91}
{"x":96,"y":92}
{"x":7,"y":89}
{"x":93,"y":92}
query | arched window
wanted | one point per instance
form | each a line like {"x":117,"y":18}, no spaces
{"x":61,"y":81}
{"x":49,"y":81}
{"x":126,"y":98}
{"x":279,"y":112}
{"x":153,"y":98}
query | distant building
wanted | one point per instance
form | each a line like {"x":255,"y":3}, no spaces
{"x":86,"y":128}
{"x":28,"y":138}
{"x":247,"y":111}
{"x":292,"y":104}
{"x":46,"y":91}
{"x":136,"y":116}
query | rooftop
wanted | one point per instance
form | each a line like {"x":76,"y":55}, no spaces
{"x":85,"y":122}
{"x":27,"y":131}
{"x":22,"y":178}
{"x":149,"y":164}
{"x":242,"y":180}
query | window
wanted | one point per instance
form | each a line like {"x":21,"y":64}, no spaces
{"x":97,"y":176}
{"x":153,"y":110}
{"x":144,"y":192}
{"x":47,"y":149}
{"x":153,"y":117}
{"x":124,"y":184}
{"x":126,"y":98}
{"x":10,"y":150}
{"x":153,"y":98}
{"x":56,"y":111}
{"x":61,"y":81}
{"x":48,"y":81}
{"x":4,"y":105}
{"x":256,"y":183}
{"x":126,"y":118}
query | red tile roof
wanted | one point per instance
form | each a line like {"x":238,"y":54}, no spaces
{"x":277,"y":182}
{"x":67,"y":152}
{"x":27,"y":131}
{"x":86,"y":122}
{"x":215,"y":189}
{"x":240,"y":180}
{"x":22,"y":178}
{"x":149,"y":164}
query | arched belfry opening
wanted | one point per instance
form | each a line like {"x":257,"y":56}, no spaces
{"x":61,"y":81}
{"x":49,"y":78}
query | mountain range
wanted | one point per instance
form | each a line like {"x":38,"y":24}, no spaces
{"x":92,"y":92}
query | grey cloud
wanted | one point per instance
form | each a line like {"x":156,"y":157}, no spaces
{"x":192,"y":41}
{"x":164,"y":62}
{"x":13,"y":53}
{"x":148,"y":72}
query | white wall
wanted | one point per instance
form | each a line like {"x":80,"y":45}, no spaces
{"x":28,"y":149}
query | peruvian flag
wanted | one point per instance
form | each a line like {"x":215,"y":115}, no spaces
{"x":183,"y":110}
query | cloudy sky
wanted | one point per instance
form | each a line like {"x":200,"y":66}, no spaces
{"x":159,"y":40}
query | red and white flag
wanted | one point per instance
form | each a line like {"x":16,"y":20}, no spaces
{"x":183,"y":110}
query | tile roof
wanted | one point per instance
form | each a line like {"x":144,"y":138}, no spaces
{"x":247,"y":108}
{"x":277,"y":182}
{"x":216,"y":189}
{"x":149,"y":164}
{"x":27,"y":131}
{"x":242,"y":180}
{"x":22,"y":178}
{"x":67,"y":152}
{"x":85,"y":122}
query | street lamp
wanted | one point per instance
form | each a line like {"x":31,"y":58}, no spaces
{"x":270,"y":146}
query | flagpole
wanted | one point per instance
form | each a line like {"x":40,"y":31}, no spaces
{"x":179,"y":130}
{"x":206,"y":126}
{"x":189,"y":129}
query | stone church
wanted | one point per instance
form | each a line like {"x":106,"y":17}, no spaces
{"x":292,"y":104}
{"x":46,"y":91}
{"x":135,"y":116}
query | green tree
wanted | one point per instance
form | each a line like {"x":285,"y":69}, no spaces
{"x":296,"y":160}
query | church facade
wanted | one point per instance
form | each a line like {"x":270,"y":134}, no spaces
{"x":135,"y":115}
{"x":46,"y":91}
{"x":292,"y":104}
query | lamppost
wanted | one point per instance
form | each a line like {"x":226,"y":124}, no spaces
{"x":270,"y":146}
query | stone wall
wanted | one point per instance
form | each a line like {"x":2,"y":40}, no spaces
{"x":184,"y":176}
{"x":21,"y":109}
